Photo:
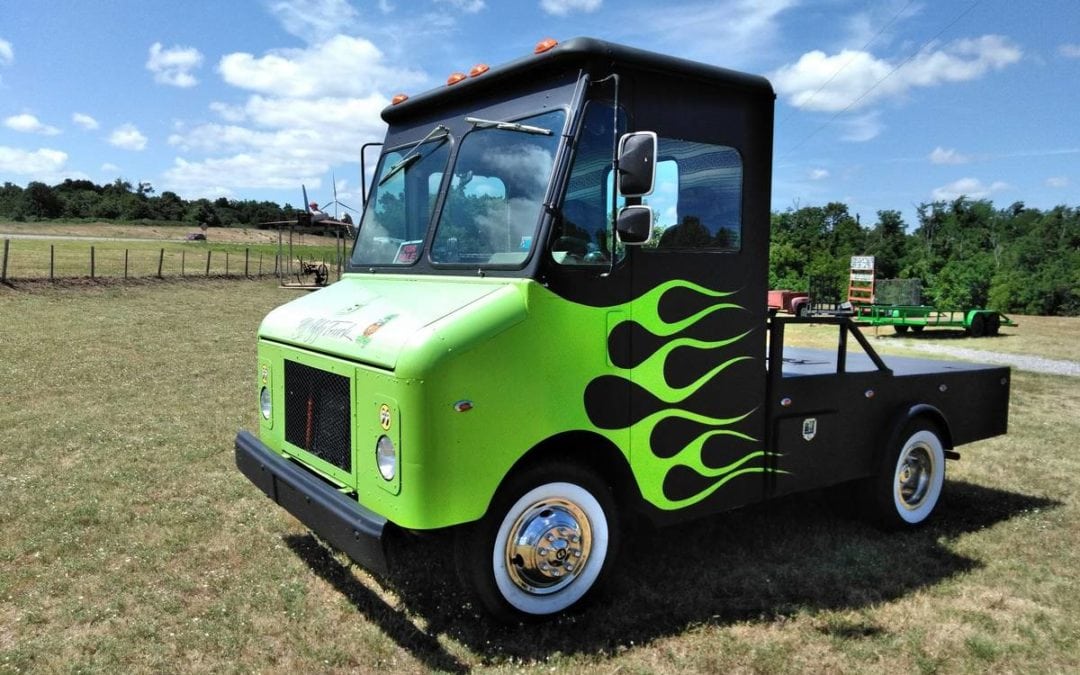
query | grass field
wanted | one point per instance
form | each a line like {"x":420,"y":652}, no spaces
{"x":129,"y":542}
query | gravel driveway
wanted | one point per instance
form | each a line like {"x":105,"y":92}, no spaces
{"x":1034,"y":364}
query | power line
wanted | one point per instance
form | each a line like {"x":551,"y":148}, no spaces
{"x":886,"y":76}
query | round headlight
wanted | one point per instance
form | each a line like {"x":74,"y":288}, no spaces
{"x":386,"y":456}
{"x":264,"y":403}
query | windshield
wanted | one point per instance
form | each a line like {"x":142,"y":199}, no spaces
{"x":493,"y":202}
{"x":396,"y":219}
{"x":495,"y":195}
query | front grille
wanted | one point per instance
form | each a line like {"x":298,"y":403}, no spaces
{"x":317,"y":412}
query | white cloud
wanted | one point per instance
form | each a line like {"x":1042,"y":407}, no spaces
{"x":308,"y":110}
{"x":42,"y":162}
{"x":468,"y":6}
{"x":821,"y":82}
{"x":173,"y":66}
{"x":109,"y":167}
{"x":862,"y":128}
{"x":315,"y":20}
{"x":819,"y":174}
{"x":942,"y":155}
{"x":84,"y":121}
{"x":128,"y":137}
{"x":28,"y":124}
{"x":341,"y":66}
{"x":972,"y":188}
{"x":228,"y":112}
{"x":290,"y":141}
{"x":1057,"y":182}
{"x":1071,"y":51}
{"x":564,"y":7}
{"x":7,"y":53}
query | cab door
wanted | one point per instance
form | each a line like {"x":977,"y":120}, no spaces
{"x":696,"y":336}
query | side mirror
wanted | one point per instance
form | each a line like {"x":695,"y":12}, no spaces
{"x":634,"y":225}
{"x":637,"y":163}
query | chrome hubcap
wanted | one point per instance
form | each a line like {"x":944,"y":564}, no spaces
{"x":548,"y":546}
{"x":913,"y":476}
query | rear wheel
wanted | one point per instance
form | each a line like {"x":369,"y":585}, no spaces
{"x":900,"y":329}
{"x":993,"y":324}
{"x":918,"y":329}
{"x":546,"y":543}
{"x":910,"y":478}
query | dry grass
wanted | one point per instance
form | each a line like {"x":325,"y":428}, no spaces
{"x":130,"y":542}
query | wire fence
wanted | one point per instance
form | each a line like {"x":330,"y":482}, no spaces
{"x":33,"y":260}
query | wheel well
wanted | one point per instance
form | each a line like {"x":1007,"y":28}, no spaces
{"x":925,"y":411}
{"x":591,"y":451}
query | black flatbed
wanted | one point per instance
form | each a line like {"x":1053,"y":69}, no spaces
{"x":804,"y":361}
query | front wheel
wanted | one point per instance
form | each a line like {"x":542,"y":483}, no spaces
{"x":547,"y":541}
{"x":910,"y":478}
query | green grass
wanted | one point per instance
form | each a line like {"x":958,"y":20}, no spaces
{"x":129,"y":542}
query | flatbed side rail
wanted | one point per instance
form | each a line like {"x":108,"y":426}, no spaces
{"x":847,"y":327}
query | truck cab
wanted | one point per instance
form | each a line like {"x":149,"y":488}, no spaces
{"x":555,"y":316}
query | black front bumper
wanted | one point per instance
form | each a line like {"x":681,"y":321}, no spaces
{"x":345,"y":524}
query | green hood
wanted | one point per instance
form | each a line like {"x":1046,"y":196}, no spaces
{"x":372,"y":318}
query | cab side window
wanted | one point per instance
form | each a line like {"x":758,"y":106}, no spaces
{"x":697,"y":201}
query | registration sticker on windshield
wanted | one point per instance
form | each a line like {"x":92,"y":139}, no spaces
{"x":408,"y":252}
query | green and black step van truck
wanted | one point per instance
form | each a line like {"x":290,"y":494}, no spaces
{"x":554,"y":320}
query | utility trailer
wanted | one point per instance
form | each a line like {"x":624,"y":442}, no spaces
{"x":519,"y":356}
{"x":898,"y":303}
{"x":977,"y":322}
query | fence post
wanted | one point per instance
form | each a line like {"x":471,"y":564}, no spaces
{"x":160,"y":262}
{"x":52,"y":261}
{"x":183,"y":261}
{"x":125,"y":263}
{"x":207,"y":262}
{"x":247,"y":256}
{"x":91,"y":262}
{"x":260,"y":265}
{"x":3,"y":271}
{"x":226,"y":264}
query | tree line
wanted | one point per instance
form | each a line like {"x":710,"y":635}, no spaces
{"x":120,"y":200}
{"x":965,"y":252}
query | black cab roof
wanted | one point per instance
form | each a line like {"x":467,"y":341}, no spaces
{"x":585,"y":53}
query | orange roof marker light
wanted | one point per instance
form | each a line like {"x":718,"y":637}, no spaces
{"x":399,"y":98}
{"x":455,"y":78}
{"x":545,"y":45}
{"x":479,"y":69}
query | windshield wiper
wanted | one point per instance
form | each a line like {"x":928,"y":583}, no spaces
{"x":412,"y":154}
{"x":508,"y":126}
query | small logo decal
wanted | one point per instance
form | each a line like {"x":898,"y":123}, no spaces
{"x":384,"y":417}
{"x":463,"y":406}
{"x":373,"y":328}
{"x":809,"y":428}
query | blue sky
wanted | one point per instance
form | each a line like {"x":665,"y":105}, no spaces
{"x":881,"y":103}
